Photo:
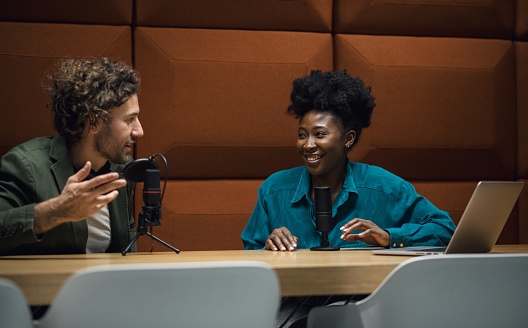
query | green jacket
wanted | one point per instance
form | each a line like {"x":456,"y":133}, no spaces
{"x":36,"y":171}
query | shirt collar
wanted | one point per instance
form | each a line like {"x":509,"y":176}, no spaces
{"x":103,"y":170}
{"x":349,"y":186}
{"x":303,"y":187}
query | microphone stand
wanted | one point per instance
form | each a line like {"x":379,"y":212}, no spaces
{"x":325,"y":245}
{"x":144,"y":222}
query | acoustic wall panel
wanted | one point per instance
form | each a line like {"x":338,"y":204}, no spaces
{"x":521,"y":20}
{"x":111,"y":12}
{"x":214,"y":101}
{"x":521,"y":52}
{"x":290,"y":15}
{"x":445,"y":107}
{"x":30,"y":50}
{"x":203,"y":214}
{"x":460,"y":18}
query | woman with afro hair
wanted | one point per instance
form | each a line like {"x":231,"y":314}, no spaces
{"x":370,"y":206}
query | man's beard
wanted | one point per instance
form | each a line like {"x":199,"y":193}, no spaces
{"x":108,"y":146}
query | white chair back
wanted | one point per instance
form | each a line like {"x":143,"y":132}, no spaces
{"x":481,"y":290}
{"x":208,"y":294}
{"x":14,"y":309}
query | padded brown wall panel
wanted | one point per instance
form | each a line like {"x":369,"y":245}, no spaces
{"x":453,"y":198}
{"x":521,"y":20}
{"x":206,"y":215}
{"x":466,"y":18}
{"x":214,"y":101}
{"x":112,"y":12}
{"x":291,"y":15}
{"x":203,"y":215}
{"x":521,"y":52}
{"x":445,"y":107}
{"x":27,"y":51}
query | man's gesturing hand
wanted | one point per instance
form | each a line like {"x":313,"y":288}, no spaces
{"x":79,"y":199}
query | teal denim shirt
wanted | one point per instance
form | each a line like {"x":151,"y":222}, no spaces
{"x":368,"y":192}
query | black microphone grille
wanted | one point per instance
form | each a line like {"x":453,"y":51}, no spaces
{"x":135,"y":170}
{"x":322,"y":199}
{"x":152,"y":180}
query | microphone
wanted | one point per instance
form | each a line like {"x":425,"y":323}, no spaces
{"x":323,"y":217}
{"x":146,"y":170}
{"x":151,"y":188}
{"x":152,"y":197}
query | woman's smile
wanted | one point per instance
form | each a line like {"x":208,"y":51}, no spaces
{"x":313,"y":158}
{"x":322,"y":143}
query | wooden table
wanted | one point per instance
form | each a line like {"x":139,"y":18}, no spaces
{"x":302,"y":272}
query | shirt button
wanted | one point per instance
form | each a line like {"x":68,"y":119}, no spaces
{"x":401,"y":244}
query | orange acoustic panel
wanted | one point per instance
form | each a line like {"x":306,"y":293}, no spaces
{"x":111,"y":12}
{"x":202,"y":215}
{"x":521,"y":20}
{"x":460,"y":18}
{"x":210,"y":215}
{"x":30,"y":50}
{"x":291,"y":15}
{"x":445,"y":107}
{"x":521,"y":52}
{"x":214,"y":101}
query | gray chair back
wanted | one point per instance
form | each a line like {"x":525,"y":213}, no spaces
{"x":463,"y":290}
{"x":14,"y":309}
{"x":207,"y":294}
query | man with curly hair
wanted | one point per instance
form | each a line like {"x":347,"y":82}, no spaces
{"x":66,"y":194}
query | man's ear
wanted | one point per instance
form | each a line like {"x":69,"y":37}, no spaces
{"x":92,"y":124}
{"x":350,"y":137}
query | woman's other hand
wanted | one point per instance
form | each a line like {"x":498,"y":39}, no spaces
{"x":370,"y":233}
{"x":282,"y":240}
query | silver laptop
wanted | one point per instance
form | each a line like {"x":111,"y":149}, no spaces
{"x":480,"y":225}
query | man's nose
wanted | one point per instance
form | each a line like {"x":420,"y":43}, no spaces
{"x":138,"y":130}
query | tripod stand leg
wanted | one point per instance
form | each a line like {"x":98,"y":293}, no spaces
{"x":164,"y":243}
{"x":125,"y":251}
